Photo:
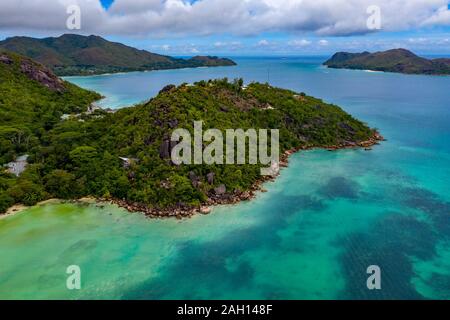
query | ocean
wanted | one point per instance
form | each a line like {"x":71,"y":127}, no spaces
{"x":322,"y":223}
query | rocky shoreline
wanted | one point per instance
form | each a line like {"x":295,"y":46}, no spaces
{"x":182,"y":211}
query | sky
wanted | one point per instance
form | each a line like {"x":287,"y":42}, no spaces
{"x":242,"y":27}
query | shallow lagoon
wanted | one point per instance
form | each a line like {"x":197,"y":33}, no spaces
{"x":323,"y":222}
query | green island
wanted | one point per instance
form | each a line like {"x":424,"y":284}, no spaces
{"x":76,"y":55}
{"x":74,"y":150}
{"x":395,"y":60}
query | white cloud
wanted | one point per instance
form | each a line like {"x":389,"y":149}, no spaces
{"x":40,"y":15}
{"x":158,"y":18}
{"x":299,"y":43}
{"x":233,"y":45}
{"x":263,"y":43}
{"x":440,"y":17}
{"x":135,"y":6}
{"x":323,"y":42}
{"x":417,"y":40}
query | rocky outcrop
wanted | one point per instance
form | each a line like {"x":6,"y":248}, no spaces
{"x":220,"y":190}
{"x":164,"y":150}
{"x":5,"y":59}
{"x":173,"y":123}
{"x":167,"y":88}
{"x":205,"y":210}
{"x":36,"y":72}
{"x":220,"y":196}
{"x":210,"y":178}
{"x":195,"y":180}
{"x":42,"y":75}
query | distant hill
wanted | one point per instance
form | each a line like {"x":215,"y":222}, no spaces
{"x":396,"y":60}
{"x":72,"y":54}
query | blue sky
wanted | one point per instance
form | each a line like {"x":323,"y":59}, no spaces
{"x":242,"y":27}
{"x":425,"y":40}
{"x":106,"y":3}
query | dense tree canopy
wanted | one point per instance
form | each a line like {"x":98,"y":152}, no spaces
{"x":82,"y":156}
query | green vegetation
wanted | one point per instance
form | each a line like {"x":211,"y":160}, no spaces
{"x":81,"y":156}
{"x":70,"y":55}
{"x":32,"y":101}
{"x":396,"y":60}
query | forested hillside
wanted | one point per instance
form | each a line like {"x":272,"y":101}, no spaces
{"x":85,"y":156}
{"x":396,"y":60}
{"x":72,"y":54}
{"x":32,"y":101}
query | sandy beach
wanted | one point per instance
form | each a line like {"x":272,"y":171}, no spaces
{"x":15,"y":209}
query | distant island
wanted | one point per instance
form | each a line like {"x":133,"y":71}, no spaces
{"x":74,"y":55}
{"x":395,"y":60}
{"x":53,"y":145}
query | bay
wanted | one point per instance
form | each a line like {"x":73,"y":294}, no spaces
{"x":327,"y":218}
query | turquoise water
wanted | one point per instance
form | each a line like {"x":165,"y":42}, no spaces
{"x":311,"y":236}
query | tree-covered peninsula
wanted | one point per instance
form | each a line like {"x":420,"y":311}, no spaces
{"x":73,"y":55}
{"x":125,"y":156}
{"x":395,"y":60}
